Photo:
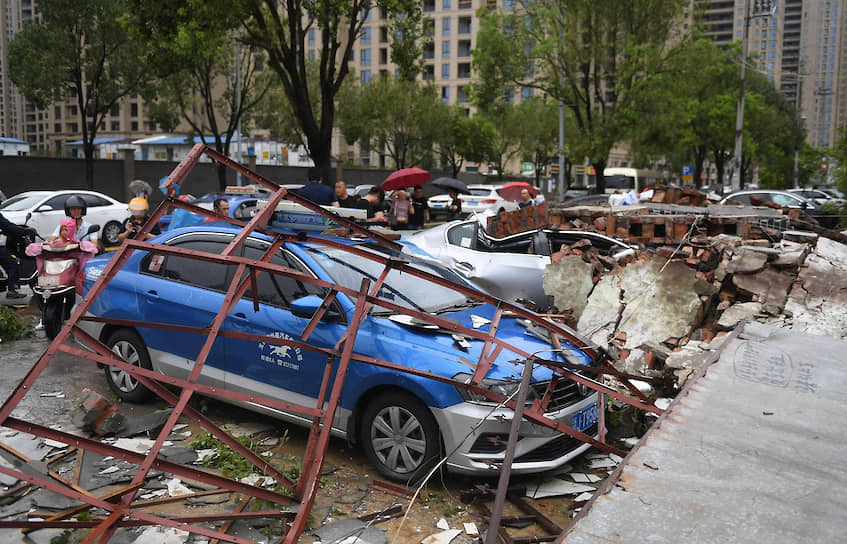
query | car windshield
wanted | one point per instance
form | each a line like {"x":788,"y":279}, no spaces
{"x":480,"y":192}
{"x":348,"y":269}
{"x":21,"y":202}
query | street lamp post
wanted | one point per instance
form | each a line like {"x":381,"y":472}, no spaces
{"x":759,"y":8}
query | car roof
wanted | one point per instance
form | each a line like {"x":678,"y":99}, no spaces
{"x":222,"y":227}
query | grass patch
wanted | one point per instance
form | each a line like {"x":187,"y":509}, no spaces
{"x":13,"y":326}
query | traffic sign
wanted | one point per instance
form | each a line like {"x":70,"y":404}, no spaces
{"x":688,"y":173}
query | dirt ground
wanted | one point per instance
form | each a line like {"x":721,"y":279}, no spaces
{"x":347,"y":487}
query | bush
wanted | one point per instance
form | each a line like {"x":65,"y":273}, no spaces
{"x":12,"y":325}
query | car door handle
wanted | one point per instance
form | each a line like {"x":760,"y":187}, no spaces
{"x":465,"y":266}
{"x":152,"y":295}
{"x":240,"y":317}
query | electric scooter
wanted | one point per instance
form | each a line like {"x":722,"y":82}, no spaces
{"x":27,"y":270}
{"x":58,"y":263}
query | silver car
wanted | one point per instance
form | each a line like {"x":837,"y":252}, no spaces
{"x":512,"y":267}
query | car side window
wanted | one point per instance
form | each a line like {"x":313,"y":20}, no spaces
{"x":740,"y":199}
{"x":783,"y":200}
{"x":463,"y":235}
{"x":212,"y":276}
{"x":94,"y":201}
{"x":276,"y":289}
{"x":57,"y":202}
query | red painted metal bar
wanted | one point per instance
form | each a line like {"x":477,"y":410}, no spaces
{"x":309,"y":490}
{"x":136,"y":458}
{"x":344,"y":222}
{"x":180,"y":173}
{"x":316,"y":318}
{"x":116,"y":511}
{"x":109,"y":357}
{"x":314,"y":430}
{"x":197,"y":518}
{"x":484,"y":362}
{"x":509,"y":456}
{"x":259,"y":220}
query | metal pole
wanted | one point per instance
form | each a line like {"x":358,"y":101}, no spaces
{"x":238,"y":100}
{"x":739,"y":118}
{"x":560,"y":179}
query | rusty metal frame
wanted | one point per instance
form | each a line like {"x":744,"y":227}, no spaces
{"x":125,"y":512}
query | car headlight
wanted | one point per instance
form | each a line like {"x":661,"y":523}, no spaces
{"x":500,"y":387}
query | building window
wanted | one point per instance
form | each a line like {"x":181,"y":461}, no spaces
{"x":133,"y":110}
{"x":366,"y":76}
{"x":57,"y":112}
{"x":383,"y":56}
{"x":445,"y":26}
{"x":134,"y":126}
{"x":465,"y":4}
{"x":73,"y":128}
{"x":461,"y":95}
{"x":445,"y":4}
{"x":366,"y":57}
{"x":311,"y":54}
{"x":57,"y":127}
{"x":115,"y":126}
{"x":429,"y":51}
{"x":464,"y":25}
{"x":115,"y":110}
{"x":464,"y":49}
{"x":508,"y":4}
{"x":429,"y":5}
{"x":383,"y":34}
{"x":151,"y":126}
{"x":445,"y":71}
{"x":312,"y":36}
{"x":526,"y":93}
{"x":491,"y":4}
{"x":445,"y":95}
{"x":429,"y":72}
{"x":366,"y":36}
{"x":445,"y":50}
{"x":463,"y":70}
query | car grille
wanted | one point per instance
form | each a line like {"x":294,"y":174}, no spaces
{"x":565,"y":393}
{"x":490,"y":443}
{"x":556,"y":448}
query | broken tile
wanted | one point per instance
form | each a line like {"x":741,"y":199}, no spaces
{"x":479,"y":321}
{"x":746,"y":261}
{"x":583,"y":497}
{"x":444,"y":537}
{"x":579,"y":477}
{"x":555,"y":488}
{"x":602,"y":463}
{"x":737,"y":313}
{"x":162,"y":535}
{"x":471,"y":529}
{"x":177,"y":489}
{"x":442,"y":524}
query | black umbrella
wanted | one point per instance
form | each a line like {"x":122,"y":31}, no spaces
{"x":140,"y":188}
{"x":450,"y":184}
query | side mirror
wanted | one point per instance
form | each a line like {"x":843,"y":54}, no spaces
{"x":306,"y":306}
{"x":45,"y":208}
{"x":91,"y":230}
{"x":804,"y":205}
{"x":28,"y":217}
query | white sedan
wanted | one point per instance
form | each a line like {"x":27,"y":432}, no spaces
{"x":483,"y":198}
{"x":48,"y":209}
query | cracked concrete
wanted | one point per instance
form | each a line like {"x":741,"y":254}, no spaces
{"x":818,"y":301}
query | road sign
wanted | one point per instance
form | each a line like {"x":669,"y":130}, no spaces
{"x":687,"y":173}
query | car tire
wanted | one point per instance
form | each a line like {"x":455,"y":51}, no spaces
{"x":129,"y":346}
{"x":110,"y":233}
{"x":400,"y":437}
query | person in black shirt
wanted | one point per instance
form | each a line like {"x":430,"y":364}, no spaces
{"x":9,"y":261}
{"x":345,"y":200}
{"x":455,"y":205}
{"x":419,"y":213}
{"x":373,"y":204}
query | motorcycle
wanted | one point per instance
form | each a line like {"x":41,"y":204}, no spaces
{"x":58,"y":263}
{"x":27,"y":270}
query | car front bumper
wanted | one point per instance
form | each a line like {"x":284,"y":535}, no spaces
{"x":480,"y":447}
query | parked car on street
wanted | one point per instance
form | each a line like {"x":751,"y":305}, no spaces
{"x":483,"y":198}
{"x":819,"y":196}
{"x":761,"y":197}
{"x":404,"y":423}
{"x":512,"y":267}
{"x":48,"y":209}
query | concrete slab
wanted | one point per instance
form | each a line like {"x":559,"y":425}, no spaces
{"x":750,"y":451}
{"x":569,"y":282}
{"x":770,"y":286}
{"x":818,"y":301}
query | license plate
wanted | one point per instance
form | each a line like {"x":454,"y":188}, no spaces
{"x":585,"y":418}
{"x":437,"y":206}
{"x":48,"y":281}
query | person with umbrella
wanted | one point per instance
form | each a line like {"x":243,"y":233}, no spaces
{"x":455,"y":207}
{"x":419,"y":210}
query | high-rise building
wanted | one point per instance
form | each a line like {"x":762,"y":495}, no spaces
{"x":801,"y":46}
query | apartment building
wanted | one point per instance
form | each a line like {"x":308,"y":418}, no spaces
{"x":801,"y":46}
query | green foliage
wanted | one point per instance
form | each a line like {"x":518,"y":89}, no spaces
{"x":79,"y":51}
{"x":597,"y":57}
{"x":403,"y":117}
{"x":63,"y":538}
{"x":469,"y":138}
{"x":225,"y":459}
{"x":12,"y":325}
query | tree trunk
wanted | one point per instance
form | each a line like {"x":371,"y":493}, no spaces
{"x":221,"y":170}
{"x":717,"y":154}
{"x":599,"y":178}
{"x":699,"y":159}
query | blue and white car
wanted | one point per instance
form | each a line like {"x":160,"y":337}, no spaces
{"x":404,"y":423}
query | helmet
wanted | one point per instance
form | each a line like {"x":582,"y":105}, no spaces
{"x":138,"y":204}
{"x":75,"y":201}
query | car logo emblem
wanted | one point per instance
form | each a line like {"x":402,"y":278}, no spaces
{"x":582,"y":388}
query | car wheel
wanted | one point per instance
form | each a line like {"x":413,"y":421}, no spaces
{"x":129,"y":347}
{"x":110,"y":233}
{"x":400,"y":437}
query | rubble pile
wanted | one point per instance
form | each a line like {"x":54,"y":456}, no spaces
{"x":668,"y":309}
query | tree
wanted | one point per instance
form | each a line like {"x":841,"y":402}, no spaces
{"x":505,"y":118}
{"x":538,"y":133}
{"x":469,"y":138}
{"x":282,"y":30}
{"x":192,"y":48}
{"x":405,"y":118}
{"x":78,"y":51}
{"x":596,"y":57}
